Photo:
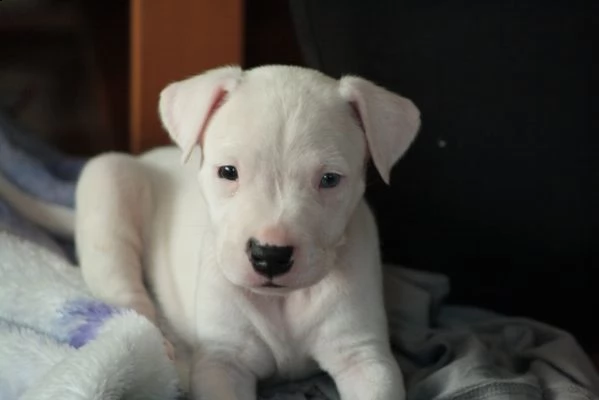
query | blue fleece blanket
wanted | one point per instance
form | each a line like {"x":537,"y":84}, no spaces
{"x":446,"y":352}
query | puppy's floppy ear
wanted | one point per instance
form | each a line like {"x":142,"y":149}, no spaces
{"x":185,"y":107}
{"x":390,"y":122}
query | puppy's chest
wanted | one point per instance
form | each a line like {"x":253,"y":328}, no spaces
{"x":283,"y":333}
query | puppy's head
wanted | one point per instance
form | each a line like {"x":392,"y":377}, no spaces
{"x":283,"y":153}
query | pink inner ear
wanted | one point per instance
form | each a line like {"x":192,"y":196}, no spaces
{"x":217,"y":101}
{"x":357,"y":115}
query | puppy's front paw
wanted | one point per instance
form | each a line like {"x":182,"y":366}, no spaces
{"x":371,"y":381}
{"x":219,"y":376}
{"x":365,"y":374}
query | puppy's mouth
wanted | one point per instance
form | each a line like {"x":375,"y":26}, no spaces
{"x":271,"y":284}
{"x":270,"y":288}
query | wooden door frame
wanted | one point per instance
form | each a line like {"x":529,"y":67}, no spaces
{"x":171,"y":40}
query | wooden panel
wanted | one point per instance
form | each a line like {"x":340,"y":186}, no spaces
{"x":170,"y":40}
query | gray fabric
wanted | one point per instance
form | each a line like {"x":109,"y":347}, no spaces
{"x":450,"y":352}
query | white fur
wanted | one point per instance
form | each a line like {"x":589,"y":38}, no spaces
{"x":184,"y":230}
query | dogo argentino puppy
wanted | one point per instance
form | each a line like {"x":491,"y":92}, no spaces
{"x":258,"y":246}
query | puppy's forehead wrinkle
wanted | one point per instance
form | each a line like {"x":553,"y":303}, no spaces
{"x":299,"y":126}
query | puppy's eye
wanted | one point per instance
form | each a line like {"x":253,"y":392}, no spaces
{"x":330,"y":180}
{"x":228,"y":172}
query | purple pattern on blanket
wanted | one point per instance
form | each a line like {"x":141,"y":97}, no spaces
{"x":86,"y":316}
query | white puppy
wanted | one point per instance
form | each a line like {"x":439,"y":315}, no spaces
{"x":260,"y":250}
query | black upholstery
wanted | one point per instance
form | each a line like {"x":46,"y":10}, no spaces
{"x":499,"y":190}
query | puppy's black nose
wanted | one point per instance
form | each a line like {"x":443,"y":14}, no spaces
{"x":268,"y":260}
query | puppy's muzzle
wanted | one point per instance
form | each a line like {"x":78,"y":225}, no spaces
{"x":268,"y":260}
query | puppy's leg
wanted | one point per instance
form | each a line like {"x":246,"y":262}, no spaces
{"x":362,"y":369}
{"x":219,"y":376}
{"x":112,"y":198}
